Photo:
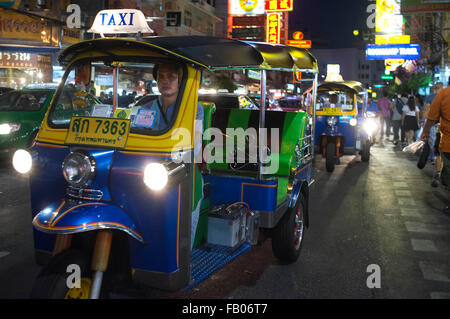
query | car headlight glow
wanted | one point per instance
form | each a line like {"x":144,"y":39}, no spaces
{"x":8,"y":128}
{"x":370,"y":126}
{"x":22,"y":161}
{"x":78,"y":169}
{"x":353,"y":121}
{"x":156,"y":176}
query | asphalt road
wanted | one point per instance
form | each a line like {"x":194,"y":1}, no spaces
{"x":381,"y":217}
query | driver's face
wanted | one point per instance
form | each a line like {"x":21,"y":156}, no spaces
{"x":167,"y":80}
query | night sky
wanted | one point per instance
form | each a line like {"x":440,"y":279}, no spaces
{"x":331,"y":21}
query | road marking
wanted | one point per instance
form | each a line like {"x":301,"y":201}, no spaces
{"x":417,"y":227}
{"x":436,"y":272}
{"x":412,"y":212}
{"x":4,"y":253}
{"x":423,"y":245}
{"x":400,"y":185}
{"x":439,"y":295}
{"x":403,"y":193}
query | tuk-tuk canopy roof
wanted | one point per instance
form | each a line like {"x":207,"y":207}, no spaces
{"x":208,"y":52}
{"x":352,"y":86}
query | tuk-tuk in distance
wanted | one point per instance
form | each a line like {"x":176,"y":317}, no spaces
{"x":114,"y":195}
{"x":341,"y":123}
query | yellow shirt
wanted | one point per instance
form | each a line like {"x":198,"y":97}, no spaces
{"x":440,"y":111}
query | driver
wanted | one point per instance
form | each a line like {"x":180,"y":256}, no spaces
{"x":168,"y":77}
{"x":333,"y":101}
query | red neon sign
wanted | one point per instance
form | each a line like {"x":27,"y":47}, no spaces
{"x":279,"y":5}
{"x":273,"y":28}
{"x":303,"y":44}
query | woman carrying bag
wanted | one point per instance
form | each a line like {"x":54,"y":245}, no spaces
{"x":410,"y":119}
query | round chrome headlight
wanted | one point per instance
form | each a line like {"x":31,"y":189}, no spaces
{"x":22,"y":161}
{"x":78,"y":169}
{"x":353,"y":121}
{"x":156,"y":176}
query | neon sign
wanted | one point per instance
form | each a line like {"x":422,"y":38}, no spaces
{"x":273,"y":27}
{"x":279,"y":5}
{"x":393,"y":51}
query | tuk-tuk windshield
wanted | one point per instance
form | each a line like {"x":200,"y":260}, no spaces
{"x":345,"y":101}
{"x":111,"y":89}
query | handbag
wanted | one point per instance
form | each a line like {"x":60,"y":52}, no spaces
{"x":423,"y":156}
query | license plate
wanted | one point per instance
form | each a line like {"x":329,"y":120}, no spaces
{"x":332,"y":111}
{"x":98,"y":131}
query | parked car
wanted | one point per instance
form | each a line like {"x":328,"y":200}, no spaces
{"x":291,"y":104}
{"x":271,"y":103}
{"x":228,"y":100}
{"x":21,"y":114}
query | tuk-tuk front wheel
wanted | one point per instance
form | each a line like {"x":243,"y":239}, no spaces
{"x":330,"y":154}
{"x":287,"y":237}
{"x":53,"y":282}
{"x":365,"y":152}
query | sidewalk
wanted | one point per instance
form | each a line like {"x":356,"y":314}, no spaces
{"x":419,"y":209}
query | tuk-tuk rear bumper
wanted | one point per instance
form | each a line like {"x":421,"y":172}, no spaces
{"x":67,"y":217}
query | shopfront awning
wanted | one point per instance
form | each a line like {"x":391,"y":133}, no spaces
{"x":29,"y":49}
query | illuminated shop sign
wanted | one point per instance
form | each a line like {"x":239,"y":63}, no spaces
{"x":17,"y":60}
{"x":273,"y":27}
{"x":279,"y":5}
{"x":388,"y":19}
{"x":393,"y":64}
{"x":392,"y":39}
{"x":243,"y":7}
{"x":302,"y":44}
{"x":393,"y":51}
{"x":425,"y":5}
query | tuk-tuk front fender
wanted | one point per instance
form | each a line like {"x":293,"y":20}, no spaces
{"x":67,"y":217}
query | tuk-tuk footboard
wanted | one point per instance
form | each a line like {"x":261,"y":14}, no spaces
{"x":207,"y":260}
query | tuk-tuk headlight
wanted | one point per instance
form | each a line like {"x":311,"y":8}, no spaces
{"x":22,"y":161}
{"x":156,"y":176}
{"x":353,"y":121}
{"x":78,"y":169}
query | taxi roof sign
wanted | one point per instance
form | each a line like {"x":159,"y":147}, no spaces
{"x":120,"y":21}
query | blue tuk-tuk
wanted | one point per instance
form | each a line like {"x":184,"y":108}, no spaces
{"x":118,"y":201}
{"x":341,"y":123}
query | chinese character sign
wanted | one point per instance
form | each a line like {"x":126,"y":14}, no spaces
{"x":273,"y":27}
{"x":279,"y":5}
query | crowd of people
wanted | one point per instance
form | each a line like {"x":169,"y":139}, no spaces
{"x":412,"y":118}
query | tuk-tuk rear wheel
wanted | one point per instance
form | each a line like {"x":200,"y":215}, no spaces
{"x":51,"y":282}
{"x":287,"y":237}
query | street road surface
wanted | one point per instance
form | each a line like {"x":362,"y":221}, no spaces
{"x":381,"y":217}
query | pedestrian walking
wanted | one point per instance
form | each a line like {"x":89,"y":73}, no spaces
{"x":397,"y":111}
{"x":410,"y":119}
{"x":440,"y":111}
{"x":435,"y":136}
{"x":384,"y":105}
